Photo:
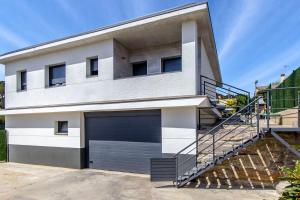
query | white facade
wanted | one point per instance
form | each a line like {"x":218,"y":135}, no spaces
{"x":31,"y":114}
{"x":39,"y":130}
{"x":82,"y":89}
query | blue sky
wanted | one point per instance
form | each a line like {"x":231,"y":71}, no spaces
{"x":256,"y":39}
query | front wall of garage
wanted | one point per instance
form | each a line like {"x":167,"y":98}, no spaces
{"x":32,"y":139}
{"x":148,"y":134}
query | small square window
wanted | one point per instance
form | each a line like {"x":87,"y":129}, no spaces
{"x":61,"y":127}
{"x":57,"y":75}
{"x":92,"y":66}
{"x":171,"y":64}
{"x":139,"y":69}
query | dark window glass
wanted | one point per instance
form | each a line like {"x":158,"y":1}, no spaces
{"x":57,"y":75}
{"x":171,"y":64}
{"x":139,"y":69}
{"x":23,"y":80}
{"x":94,"y":66}
{"x":62,"y":127}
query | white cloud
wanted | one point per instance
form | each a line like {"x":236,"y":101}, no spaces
{"x":12,"y":38}
{"x":268,"y":70}
{"x":70,"y":11}
{"x":40,"y":22}
{"x":240,"y":24}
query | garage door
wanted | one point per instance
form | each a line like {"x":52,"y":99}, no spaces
{"x":123,"y":141}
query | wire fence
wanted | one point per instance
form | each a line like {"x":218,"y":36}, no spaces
{"x":280,"y":106}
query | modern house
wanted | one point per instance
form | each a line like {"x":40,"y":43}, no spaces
{"x":114,"y":97}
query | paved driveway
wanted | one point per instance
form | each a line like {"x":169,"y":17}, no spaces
{"x":30,"y":182}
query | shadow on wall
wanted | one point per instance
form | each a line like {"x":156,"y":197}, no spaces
{"x":256,"y":167}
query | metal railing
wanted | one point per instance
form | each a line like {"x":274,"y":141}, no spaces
{"x":280,"y":107}
{"x":218,"y":142}
{"x":231,"y":98}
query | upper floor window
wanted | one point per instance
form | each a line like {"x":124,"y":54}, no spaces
{"x":21,"y":80}
{"x":57,"y":75}
{"x":171,"y":64}
{"x":92,"y":66}
{"x":139,"y":68}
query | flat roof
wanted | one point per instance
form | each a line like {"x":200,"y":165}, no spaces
{"x":68,"y":41}
{"x":106,"y":27}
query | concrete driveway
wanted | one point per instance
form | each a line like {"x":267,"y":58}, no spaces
{"x":30,"y":182}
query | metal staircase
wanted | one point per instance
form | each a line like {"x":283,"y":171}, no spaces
{"x":218,"y":144}
{"x":237,"y":128}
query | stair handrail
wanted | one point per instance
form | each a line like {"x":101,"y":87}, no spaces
{"x":225,"y":84}
{"x":209,"y":83}
{"x":219,"y":125}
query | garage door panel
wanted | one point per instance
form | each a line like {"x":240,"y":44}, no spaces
{"x":138,"y":128}
{"x":123,"y":141}
{"x":123,"y":156}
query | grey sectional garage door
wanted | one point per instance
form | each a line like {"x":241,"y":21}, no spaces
{"x":123,"y":141}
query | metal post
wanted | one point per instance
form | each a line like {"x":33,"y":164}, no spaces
{"x":257,"y":115}
{"x":214,"y":148}
{"x":249,"y":110}
{"x":201,"y":92}
{"x":176,"y":170}
{"x":268,"y":109}
{"x":204,"y":88}
{"x":298,"y":108}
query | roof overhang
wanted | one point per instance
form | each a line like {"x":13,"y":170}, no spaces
{"x":196,"y":101}
{"x":196,"y":11}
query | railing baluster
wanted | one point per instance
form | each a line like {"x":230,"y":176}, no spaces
{"x":268,"y":109}
{"x":257,"y":116}
{"x":176,"y":159}
{"x":299,"y":108}
{"x":214,"y":147}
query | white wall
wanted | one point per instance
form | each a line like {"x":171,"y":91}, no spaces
{"x":121,"y":61}
{"x":80,"y":89}
{"x":154,"y":55}
{"x":189,"y":42}
{"x":179,"y":128}
{"x":205,"y":69}
{"x":39,"y":130}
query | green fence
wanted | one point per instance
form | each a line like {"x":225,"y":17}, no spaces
{"x":287,"y":98}
{"x":3,"y":146}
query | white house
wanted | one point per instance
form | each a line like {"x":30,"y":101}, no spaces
{"x":113,"y":97}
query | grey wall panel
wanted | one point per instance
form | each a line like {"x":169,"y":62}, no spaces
{"x":163,"y":169}
{"x":122,"y":155}
{"x":51,"y":156}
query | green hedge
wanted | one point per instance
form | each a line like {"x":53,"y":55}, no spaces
{"x":3,"y":148}
{"x":287,"y":98}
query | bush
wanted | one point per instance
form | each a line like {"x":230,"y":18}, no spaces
{"x":292,"y":175}
{"x":3,"y":146}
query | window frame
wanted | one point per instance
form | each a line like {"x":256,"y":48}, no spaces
{"x":89,"y":68}
{"x":170,"y":58}
{"x":49,"y":67}
{"x":23,"y":84}
{"x":57,"y":127}
{"x":139,"y":62}
{"x":19,"y":81}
